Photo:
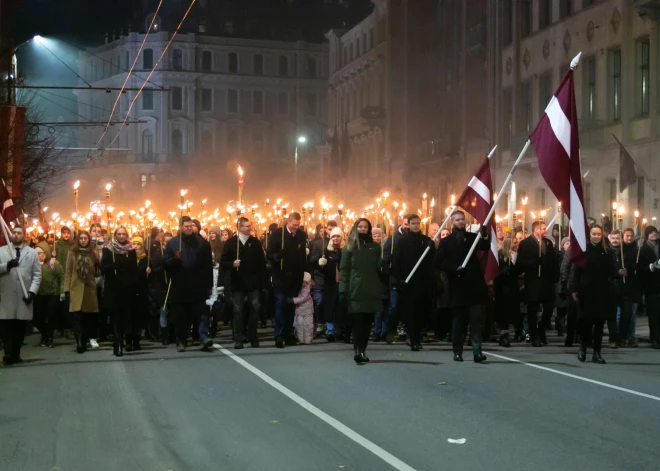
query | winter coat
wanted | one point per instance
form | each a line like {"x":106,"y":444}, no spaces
{"x":11,"y":292}
{"x":359,"y":278}
{"x":650,"y":280}
{"x":52,"y":279}
{"x":593,"y":285}
{"x":330,"y":284}
{"x":316,"y":252}
{"x":62,"y":248}
{"x":192,"y":276}
{"x":407,"y":251}
{"x":82,"y":293}
{"x":304,"y":302}
{"x":158,"y":279}
{"x":250,"y":274}
{"x":121,"y":279}
{"x":538,"y":289}
{"x":631,"y":288}
{"x":288,"y":265}
{"x":506,"y":284}
{"x":470,"y":288}
{"x":388,"y":251}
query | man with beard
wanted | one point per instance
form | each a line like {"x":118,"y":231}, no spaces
{"x":649,"y":268}
{"x":468,"y":293}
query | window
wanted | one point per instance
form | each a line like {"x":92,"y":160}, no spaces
{"x":311,"y":104}
{"x":359,"y":47}
{"x":565,"y":8}
{"x":232,"y":101}
{"x":177,"y":143}
{"x":615,"y":83}
{"x":177,"y":59}
{"x":525,"y":18}
{"x":283,"y":103}
{"x":147,"y":145}
{"x":507,"y":117}
{"x":311,"y":67}
{"x":284,"y":66}
{"x":207,"y":61}
{"x":232,"y":63}
{"x":207,"y":99}
{"x":643,"y":76}
{"x":258,"y":64}
{"x":545,"y":13}
{"x":147,"y":99}
{"x":590,"y":88}
{"x":545,"y":90}
{"x":507,"y":26}
{"x":148,"y":59}
{"x":232,"y":141}
{"x":144,"y":179}
{"x":177,"y":98}
{"x":283,"y":142}
{"x":345,"y":55}
{"x":364,"y":43}
{"x":258,"y":102}
{"x":525,"y":107}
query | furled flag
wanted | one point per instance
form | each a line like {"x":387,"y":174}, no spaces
{"x":627,"y":173}
{"x":477,"y":199}
{"x":12,"y":128}
{"x":558,"y":149}
{"x":6,"y":210}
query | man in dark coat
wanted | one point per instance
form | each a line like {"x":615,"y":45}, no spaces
{"x":632,"y":291}
{"x":415,"y":296}
{"x":189,"y":264}
{"x":392,"y":316}
{"x":317,"y":252}
{"x":468,"y":293}
{"x":246,"y":269}
{"x":288,"y":261}
{"x":538,"y":259}
{"x":649,"y":268}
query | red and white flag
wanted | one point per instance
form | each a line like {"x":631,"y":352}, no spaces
{"x":6,"y":210}
{"x":12,"y":128}
{"x":558,"y":148}
{"x":477,"y":199}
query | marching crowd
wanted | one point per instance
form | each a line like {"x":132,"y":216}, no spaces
{"x":183,"y":288}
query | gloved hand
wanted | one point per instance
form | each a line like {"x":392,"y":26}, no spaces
{"x":12,"y":264}
{"x":323,"y":261}
{"x":307,"y":252}
{"x":484,"y":232}
{"x":460,"y":271}
{"x":401,"y":285}
{"x":63,"y":297}
{"x":30,"y":298}
{"x":652,"y":267}
{"x":279,"y":256}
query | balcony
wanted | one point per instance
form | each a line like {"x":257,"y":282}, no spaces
{"x":650,"y":8}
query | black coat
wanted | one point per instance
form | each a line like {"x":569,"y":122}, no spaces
{"x":389,"y":248}
{"x":650,"y":281}
{"x":250,"y":275}
{"x":407,"y":251}
{"x":192,"y":276}
{"x":506,"y":284}
{"x":631,"y":288}
{"x":121,"y":279}
{"x":470,"y":288}
{"x":330,"y":284}
{"x":288,"y":265}
{"x":593,"y":284}
{"x":538,"y":289}
{"x":315,"y":253}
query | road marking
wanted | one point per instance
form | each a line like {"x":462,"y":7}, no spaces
{"x":587,"y":380}
{"x":387,"y":457}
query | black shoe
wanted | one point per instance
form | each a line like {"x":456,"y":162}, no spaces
{"x":365,"y":358}
{"x":655,"y":345}
{"x":164,"y":338}
{"x":414,"y":348}
{"x":596,"y":358}
{"x":118,"y":349}
{"x":504,"y":340}
{"x":458,"y":357}
{"x":80,"y":346}
{"x":291,"y":341}
{"x":42,"y":342}
{"x":582,"y":354}
{"x":129,"y":343}
{"x":136,"y":343}
{"x":376,"y":337}
{"x":419,"y":346}
{"x":238,"y":346}
{"x":537,"y":343}
{"x":330,"y":338}
{"x":205,"y":344}
{"x":279,"y":342}
{"x":254,"y":344}
{"x":389,"y":338}
{"x":49,"y":342}
{"x":7,"y":360}
{"x":479,"y":358}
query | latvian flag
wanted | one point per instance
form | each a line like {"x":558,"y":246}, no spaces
{"x":6,"y":210}
{"x":558,"y":148}
{"x":477,"y":199}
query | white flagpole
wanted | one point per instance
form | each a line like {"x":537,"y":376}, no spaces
{"x":497,"y":200}
{"x":437,"y":234}
{"x":10,"y":248}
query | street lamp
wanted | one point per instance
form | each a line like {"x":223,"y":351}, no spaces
{"x":13,"y":73}
{"x":300,"y":140}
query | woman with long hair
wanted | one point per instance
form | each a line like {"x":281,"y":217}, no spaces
{"x":591,"y":290}
{"x":507,"y":293}
{"x":120,"y":267}
{"x":82,"y":268}
{"x":359,"y":284}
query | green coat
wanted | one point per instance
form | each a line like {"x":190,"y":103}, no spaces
{"x":61,"y":249}
{"x":52,"y":280}
{"x":359,"y":278}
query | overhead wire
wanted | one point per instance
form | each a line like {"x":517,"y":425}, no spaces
{"x":128,"y":75}
{"x":41,"y":43}
{"x":152,"y":71}
{"x":37,"y":93}
{"x":75,"y":101}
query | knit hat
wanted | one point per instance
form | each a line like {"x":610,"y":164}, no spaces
{"x":215,"y":230}
{"x":648,"y":231}
{"x":564,"y":240}
{"x":337,"y":231}
{"x":64,"y":228}
{"x":45,"y":248}
{"x":137,"y":239}
{"x":307,"y":277}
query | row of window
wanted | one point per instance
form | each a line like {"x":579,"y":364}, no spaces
{"x":362,"y":44}
{"x":233,"y":102}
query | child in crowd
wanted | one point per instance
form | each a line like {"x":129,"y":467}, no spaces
{"x":305,"y":312}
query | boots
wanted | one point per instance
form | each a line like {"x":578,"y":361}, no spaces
{"x":164,"y":336}
{"x":358,"y":357}
{"x":129,"y":343}
{"x":596,"y":358}
{"x":80,"y":345}
{"x":42,"y":342}
{"x":364,"y":356}
{"x":582,"y":354}
{"x":49,"y":341}
{"x":136,"y":343}
{"x":504,"y":339}
{"x":118,"y":349}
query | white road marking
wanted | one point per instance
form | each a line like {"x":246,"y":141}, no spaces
{"x":387,"y":457}
{"x":586,"y":380}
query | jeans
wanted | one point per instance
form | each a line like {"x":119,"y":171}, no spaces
{"x":239,"y":298}
{"x":628,"y":333}
{"x":380,"y":323}
{"x":319,"y":314}
{"x":461,"y":316}
{"x":284,"y":315}
{"x":393,"y":313}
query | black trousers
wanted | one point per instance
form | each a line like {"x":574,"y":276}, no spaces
{"x":85,"y":324}
{"x":507,"y":311}
{"x":591,"y":330}
{"x":240,"y":299}
{"x":121,"y":322}
{"x":415,"y":310}
{"x":653,"y":311}
{"x":536,"y":327}
{"x":361,"y":329}
{"x":46,"y":310}
{"x":461,"y":316}
{"x":184,"y":315}
{"x":442,"y":322}
{"x":626,"y":306}
{"x":571,"y":321}
{"x":13,"y":334}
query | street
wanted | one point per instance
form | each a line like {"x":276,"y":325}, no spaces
{"x":312,"y":408}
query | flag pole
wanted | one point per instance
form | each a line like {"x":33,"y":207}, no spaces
{"x":10,"y":248}
{"x":497,"y":200}
{"x":437,"y":234}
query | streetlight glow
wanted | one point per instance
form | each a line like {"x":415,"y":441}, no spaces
{"x":302,"y":139}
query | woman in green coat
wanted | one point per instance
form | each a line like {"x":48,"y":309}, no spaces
{"x":359,"y":284}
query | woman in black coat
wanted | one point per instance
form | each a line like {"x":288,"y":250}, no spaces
{"x":591,"y":290}
{"x":507,"y":292}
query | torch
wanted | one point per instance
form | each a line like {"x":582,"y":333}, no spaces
{"x":181,"y":207}
{"x":636,"y":222}
{"x":524,"y":214}
{"x":613,"y":217}
{"x":238,"y":217}
{"x":340,"y":211}
{"x":561,"y":220}
{"x":542,"y":220}
{"x":75,"y":193}
{"x":619,"y":215}
{"x":240,"y":185}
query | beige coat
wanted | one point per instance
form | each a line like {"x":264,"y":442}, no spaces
{"x":11,"y":293}
{"x":82,"y":294}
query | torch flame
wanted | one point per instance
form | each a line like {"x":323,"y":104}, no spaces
{"x":183,"y":193}
{"x":386,"y":195}
{"x":636,"y":214}
{"x":76,"y":185}
{"x":432,"y":202}
{"x":524,"y":201}
{"x":240,"y":171}
{"x":147,"y":204}
{"x":108,"y":187}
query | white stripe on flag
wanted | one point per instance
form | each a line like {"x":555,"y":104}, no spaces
{"x":493,"y":245}
{"x":560,"y":124}
{"x":7,"y":204}
{"x":577,"y":219}
{"x":481,"y":189}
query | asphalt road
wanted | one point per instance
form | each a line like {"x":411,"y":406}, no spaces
{"x":311,"y":408}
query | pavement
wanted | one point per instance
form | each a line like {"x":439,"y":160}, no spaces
{"x":311,"y":408}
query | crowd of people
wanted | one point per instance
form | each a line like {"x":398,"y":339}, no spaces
{"x":184,"y":288}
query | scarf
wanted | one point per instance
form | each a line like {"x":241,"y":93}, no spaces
{"x":119,"y":249}
{"x":141,"y":256}
{"x":82,"y":264}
